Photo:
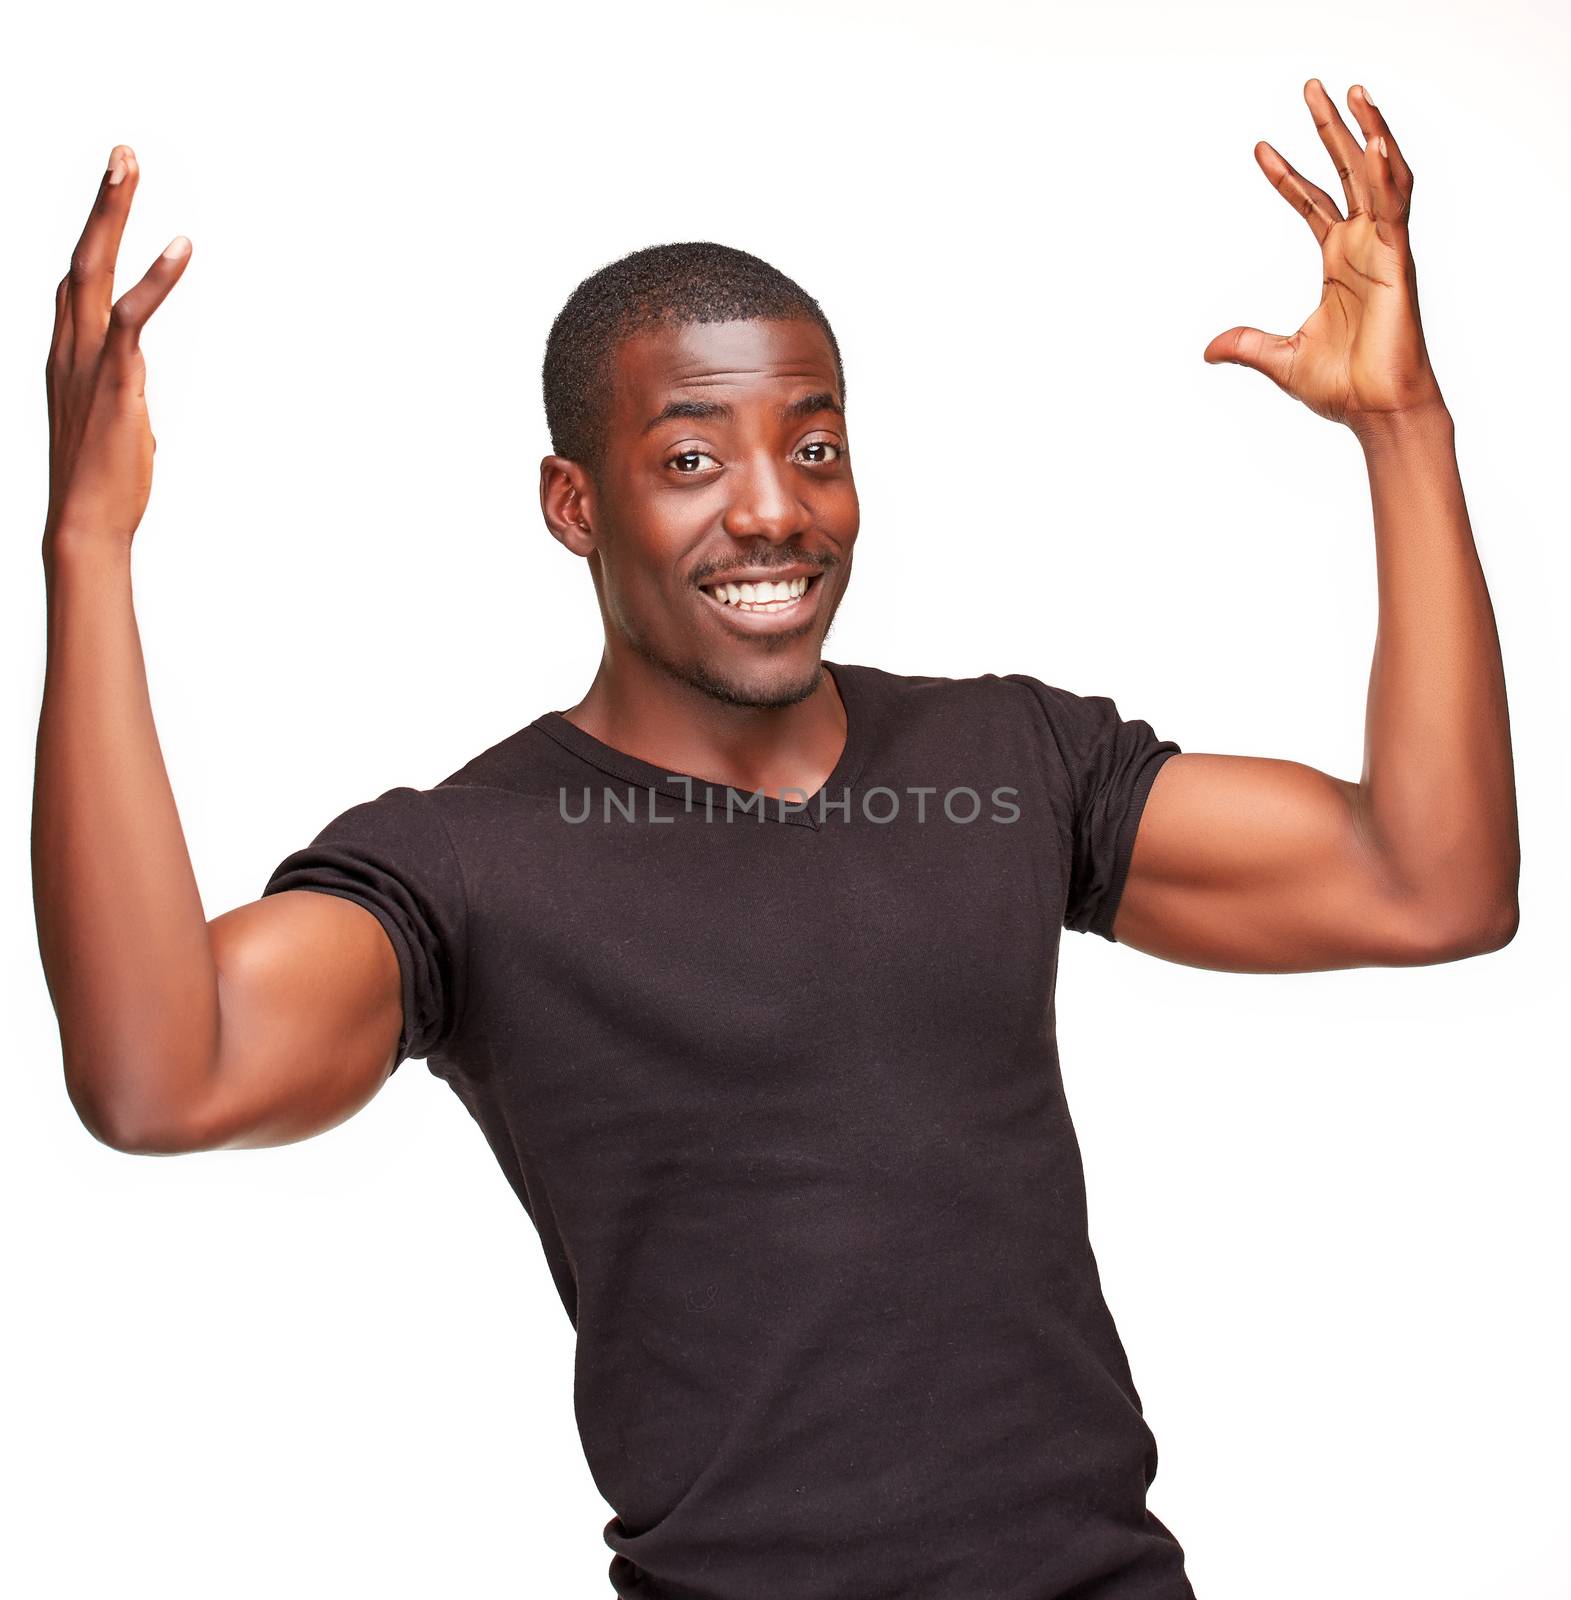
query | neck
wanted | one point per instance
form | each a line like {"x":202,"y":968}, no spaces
{"x":643,"y":711}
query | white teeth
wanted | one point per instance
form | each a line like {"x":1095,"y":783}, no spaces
{"x":759,"y":596}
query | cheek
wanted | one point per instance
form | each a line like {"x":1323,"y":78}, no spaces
{"x":643,"y":577}
{"x":841,"y":512}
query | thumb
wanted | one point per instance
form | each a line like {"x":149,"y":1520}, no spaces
{"x":1269,"y":353}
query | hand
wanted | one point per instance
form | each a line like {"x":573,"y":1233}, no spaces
{"x":1360,"y":358}
{"x":100,"y":441}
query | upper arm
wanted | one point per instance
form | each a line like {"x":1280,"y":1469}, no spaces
{"x":310,"y":1010}
{"x":353,"y":961}
{"x":1250,"y":864}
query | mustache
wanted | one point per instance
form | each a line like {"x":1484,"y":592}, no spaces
{"x":782,"y":557}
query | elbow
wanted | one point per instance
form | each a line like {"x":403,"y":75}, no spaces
{"x":1502,"y":930}
{"x":122,"y":1122}
{"x":95,"y":1110}
{"x":148,"y":1139}
{"x":1468,"y":932}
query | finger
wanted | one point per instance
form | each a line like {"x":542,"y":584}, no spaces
{"x":93,"y":260}
{"x":60,"y":338}
{"x":1269,"y":353}
{"x":1374,"y":126}
{"x":142,"y":299}
{"x":1316,"y":207}
{"x":58,"y":364}
{"x":1344,"y":149}
{"x":1388,"y":205}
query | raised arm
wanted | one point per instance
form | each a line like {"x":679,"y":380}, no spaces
{"x":1262,"y":865}
{"x":273,"y":1021}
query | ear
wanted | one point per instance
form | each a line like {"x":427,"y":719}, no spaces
{"x":567,"y":497}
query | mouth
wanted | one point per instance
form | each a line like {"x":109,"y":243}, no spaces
{"x":760,"y":596}
{"x":763,"y":605}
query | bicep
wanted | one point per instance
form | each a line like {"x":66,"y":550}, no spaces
{"x":310,"y":1011}
{"x":1251,"y":864}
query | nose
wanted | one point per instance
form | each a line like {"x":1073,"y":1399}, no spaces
{"x":764,"y":503}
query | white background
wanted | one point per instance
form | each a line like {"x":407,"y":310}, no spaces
{"x":1329,"y":1209}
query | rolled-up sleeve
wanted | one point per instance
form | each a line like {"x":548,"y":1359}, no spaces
{"x":1110,"y":763}
{"x":395,"y":856}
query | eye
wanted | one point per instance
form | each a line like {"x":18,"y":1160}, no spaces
{"x":690,"y":455}
{"x":824,"y":444}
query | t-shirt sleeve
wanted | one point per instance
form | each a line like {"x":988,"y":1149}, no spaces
{"x":1110,"y":763}
{"x":394,"y":856}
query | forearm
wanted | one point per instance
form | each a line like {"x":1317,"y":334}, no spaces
{"x":121,"y":927}
{"x":1437,"y":798}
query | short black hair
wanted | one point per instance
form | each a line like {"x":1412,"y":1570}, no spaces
{"x":663,"y":285}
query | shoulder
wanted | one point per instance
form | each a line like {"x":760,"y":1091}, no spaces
{"x":1012,"y":696}
{"x":929,"y":690}
{"x":530,"y":762}
{"x":423,"y":822}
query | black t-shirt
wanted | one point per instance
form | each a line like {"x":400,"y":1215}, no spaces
{"x":777,"y":1084}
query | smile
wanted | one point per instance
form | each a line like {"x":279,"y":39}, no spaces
{"x":767,"y":597}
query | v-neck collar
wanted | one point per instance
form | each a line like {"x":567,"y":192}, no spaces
{"x":693,"y":790}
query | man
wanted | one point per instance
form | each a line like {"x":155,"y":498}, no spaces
{"x":745,"y":963}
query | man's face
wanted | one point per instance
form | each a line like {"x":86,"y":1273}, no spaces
{"x":726,"y":464}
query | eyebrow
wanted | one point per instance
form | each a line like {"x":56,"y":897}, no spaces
{"x":807,"y":406}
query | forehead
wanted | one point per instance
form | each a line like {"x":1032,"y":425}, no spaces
{"x":653,"y":365}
